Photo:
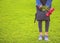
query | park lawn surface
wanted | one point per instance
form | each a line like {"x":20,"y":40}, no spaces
{"x":17,"y":22}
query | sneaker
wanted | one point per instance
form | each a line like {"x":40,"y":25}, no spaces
{"x":40,"y":37}
{"x":46,"y":38}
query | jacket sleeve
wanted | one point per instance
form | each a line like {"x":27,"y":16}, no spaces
{"x":48,"y":3}
{"x":38,"y":3}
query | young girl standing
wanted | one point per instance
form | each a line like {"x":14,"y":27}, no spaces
{"x":41,"y":16}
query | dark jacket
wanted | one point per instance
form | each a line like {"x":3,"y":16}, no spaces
{"x":41,"y":15}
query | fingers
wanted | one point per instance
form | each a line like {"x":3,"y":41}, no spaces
{"x":40,"y":6}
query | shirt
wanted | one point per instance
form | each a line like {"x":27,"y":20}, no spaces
{"x":48,"y":3}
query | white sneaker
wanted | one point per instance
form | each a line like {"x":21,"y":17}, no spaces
{"x":46,"y":38}
{"x":40,"y":37}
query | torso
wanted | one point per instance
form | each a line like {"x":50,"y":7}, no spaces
{"x":43,"y":2}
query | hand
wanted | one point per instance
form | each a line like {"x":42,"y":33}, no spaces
{"x":40,"y":6}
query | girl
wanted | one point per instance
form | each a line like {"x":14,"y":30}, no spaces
{"x":41,"y":16}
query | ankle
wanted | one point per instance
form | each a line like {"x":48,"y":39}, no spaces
{"x":46,"y":33}
{"x":40,"y":33}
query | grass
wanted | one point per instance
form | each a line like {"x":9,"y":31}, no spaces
{"x":16,"y":22}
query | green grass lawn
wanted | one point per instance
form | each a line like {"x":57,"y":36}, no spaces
{"x":17,"y":22}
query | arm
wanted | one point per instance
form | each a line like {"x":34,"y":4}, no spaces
{"x":48,"y":3}
{"x":38,"y":3}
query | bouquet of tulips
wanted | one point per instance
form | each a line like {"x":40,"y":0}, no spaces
{"x":49,"y":10}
